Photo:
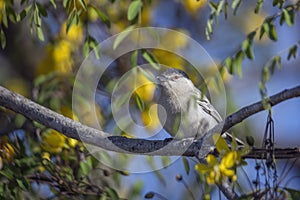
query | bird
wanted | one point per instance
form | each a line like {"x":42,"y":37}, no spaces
{"x":183,"y":110}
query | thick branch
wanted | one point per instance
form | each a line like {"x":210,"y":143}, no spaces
{"x":121,"y":144}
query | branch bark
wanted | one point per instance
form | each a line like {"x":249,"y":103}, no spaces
{"x":167,"y":147}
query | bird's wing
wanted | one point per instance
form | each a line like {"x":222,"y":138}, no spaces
{"x":206,"y":106}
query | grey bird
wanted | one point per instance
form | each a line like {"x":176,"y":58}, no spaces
{"x":184,"y":111}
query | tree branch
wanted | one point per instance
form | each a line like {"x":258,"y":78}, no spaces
{"x":167,"y":147}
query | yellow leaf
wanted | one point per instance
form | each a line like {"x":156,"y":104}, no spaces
{"x":221,"y":144}
{"x":202,"y":168}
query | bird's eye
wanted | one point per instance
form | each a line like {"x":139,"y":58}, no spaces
{"x":176,"y":77}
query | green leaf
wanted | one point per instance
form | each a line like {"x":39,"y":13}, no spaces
{"x":150,"y":58}
{"x":278,"y":59}
{"x":53,"y":3}
{"x":40,"y":33}
{"x":295,"y":194}
{"x":11,"y":14}
{"x":83,"y":4}
{"x":287,"y":17}
{"x":229,"y":64}
{"x":235,"y":5}
{"x":112,"y":193}
{"x":258,"y":6}
{"x":70,"y":20}
{"x":4,"y":18}
{"x":220,"y":6}
{"x":95,"y":46}
{"x":23,"y":184}
{"x":2,"y":39}
{"x":42,"y":10}
{"x":101,"y":15}
{"x":213,"y":5}
{"x":85,"y":167}
{"x":166,"y":161}
{"x":264,"y":29}
{"x":133,"y":9}
{"x":140,"y":102}
{"x":238,"y":62}
{"x":122,"y":36}
{"x":186,"y":165}
{"x":292,"y":52}
{"x":86,"y":48}
{"x":19,"y":120}
{"x":272,"y":32}
{"x":133,"y":59}
{"x":265,"y":74}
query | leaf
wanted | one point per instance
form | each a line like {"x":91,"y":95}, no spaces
{"x":86,"y":48}
{"x":122,"y":36}
{"x":292,"y":52}
{"x":272,"y":32}
{"x":83,"y":4}
{"x":235,"y":5}
{"x":85,"y":167}
{"x":53,"y":3}
{"x":42,"y":10}
{"x":238,"y":62}
{"x":139,"y":102}
{"x":258,"y":6}
{"x":11,"y":14}
{"x":220,"y":144}
{"x":263,"y":30}
{"x":70,"y":20}
{"x":150,"y":58}
{"x":213,"y":5}
{"x":219,"y":8}
{"x":101,"y":15}
{"x":40,"y":33}
{"x":133,"y":9}
{"x":4,"y":18}
{"x":295,"y":194}
{"x":23,"y":184}
{"x":287,"y":17}
{"x":166,"y":161}
{"x":112,"y":193}
{"x":229,"y":64}
{"x":186,"y":165}
{"x":2,"y":39}
{"x":133,"y":58}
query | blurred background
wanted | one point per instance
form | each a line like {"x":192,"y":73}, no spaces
{"x":42,"y":67}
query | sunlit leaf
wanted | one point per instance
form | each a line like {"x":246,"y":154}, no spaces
{"x":272,"y":32}
{"x":220,"y":143}
{"x":235,"y":5}
{"x":134,"y":8}
{"x":292,"y":52}
{"x":133,"y":58}
{"x":122,"y":36}
{"x":101,"y":15}
{"x":150,"y":58}
{"x":40,"y":33}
